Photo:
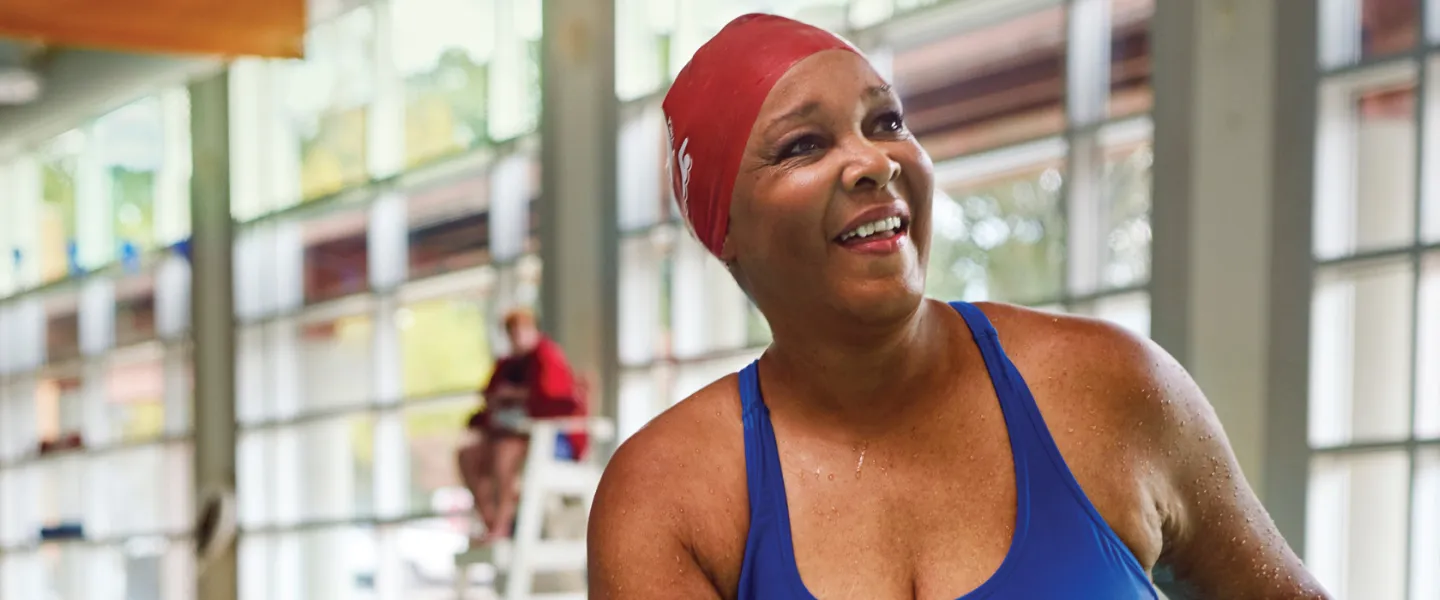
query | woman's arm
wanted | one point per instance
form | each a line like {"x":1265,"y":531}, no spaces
{"x":1219,"y":541}
{"x":636,"y":550}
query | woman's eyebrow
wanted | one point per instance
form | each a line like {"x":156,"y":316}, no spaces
{"x":800,"y":113}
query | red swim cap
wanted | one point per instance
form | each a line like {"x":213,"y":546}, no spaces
{"x":712,"y":106}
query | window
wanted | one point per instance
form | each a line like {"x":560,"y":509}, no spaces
{"x":129,"y":144}
{"x":514,"y":91}
{"x":443,"y":51}
{"x":62,"y":327}
{"x":449,"y":228}
{"x":135,"y":310}
{"x":331,"y":562}
{"x":970,"y":92}
{"x":336,"y":256}
{"x":325,"y":105}
{"x":135,"y":393}
{"x":444,"y":346}
{"x":998,"y":228}
{"x":330,"y":350}
{"x":1042,"y":154}
{"x":1373,"y":398}
{"x":59,"y":240}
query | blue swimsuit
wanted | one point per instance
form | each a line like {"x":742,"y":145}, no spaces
{"x":1061,"y":548}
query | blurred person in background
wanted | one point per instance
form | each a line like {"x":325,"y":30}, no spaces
{"x":533,"y":382}
{"x":887,"y":445}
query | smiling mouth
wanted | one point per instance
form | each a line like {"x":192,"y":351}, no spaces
{"x":875,"y":230}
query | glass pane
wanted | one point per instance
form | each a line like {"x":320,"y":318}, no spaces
{"x":1425,"y":532}
{"x":60,"y":409}
{"x":172,"y":201}
{"x":19,"y":432}
{"x":444,"y":346}
{"x":1354,"y":30}
{"x":644,"y":323}
{"x":1131,"y":311}
{"x":443,"y":50}
{"x":329,"y":465}
{"x":708,"y":309}
{"x":696,"y":21}
{"x":326,"y":98}
{"x":434,"y":433}
{"x":986,"y":87}
{"x":59,"y":169}
{"x":691,"y":377}
{"x":422,"y":555}
{"x":252,"y":379}
{"x":449,"y":228}
{"x":514,"y":85}
{"x":644,"y":393}
{"x":644,"y":30}
{"x":1365,"y":180}
{"x":1128,"y":158}
{"x":1360,"y":330}
{"x":1430,"y":217}
{"x":62,"y":490}
{"x":62,"y":327}
{"x":20,"y":575}
{"x":1427,"y":376}
{"x":998,"y":231}
{"x":644,"y":189}
{"x":337,"y":256}
{"x":25,"y":222}
{"x":1355,"y":527}
{"x":335,"y":359}
{"x":1388,"y":26}
{"x":135,"y":394}
{"x":19,"y":516}
{"x":63,"y":570}
{"x":155,"y":482}
{"x":332,"y":563}
{"x":1130,"y":64}
{"x":134,"y":309}
{"x":130,"y":147}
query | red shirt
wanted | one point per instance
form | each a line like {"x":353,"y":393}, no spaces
{"x":552,"y":385}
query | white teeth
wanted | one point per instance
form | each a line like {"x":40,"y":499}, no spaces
{"x":886,"y":225}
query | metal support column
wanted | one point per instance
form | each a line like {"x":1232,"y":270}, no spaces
{"x":579,"y":236}
{"x":212,"y":315}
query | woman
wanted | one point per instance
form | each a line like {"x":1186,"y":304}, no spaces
{"x":886,"y":445}
{"x":534,"y":381}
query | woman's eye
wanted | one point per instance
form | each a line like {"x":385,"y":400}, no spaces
{"x":890,"y":122}
{"x":800,"y":147}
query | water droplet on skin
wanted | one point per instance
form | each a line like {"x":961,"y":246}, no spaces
{"x":1072,"y":430}
{"x":832,"y":477}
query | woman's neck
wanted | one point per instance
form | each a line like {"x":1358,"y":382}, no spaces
{"x":840,"y":372}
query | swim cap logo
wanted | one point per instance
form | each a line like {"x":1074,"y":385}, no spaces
{"x":680,"y":158}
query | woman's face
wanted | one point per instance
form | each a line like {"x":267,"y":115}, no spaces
{"x":832,"y":199}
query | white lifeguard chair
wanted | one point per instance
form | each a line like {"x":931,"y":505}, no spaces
{"x":544,"y":485}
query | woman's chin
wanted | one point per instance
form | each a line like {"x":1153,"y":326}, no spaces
{"x":881,"y":301}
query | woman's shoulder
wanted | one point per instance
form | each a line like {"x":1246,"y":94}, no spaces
{"x":697,"y":443}
{"x":1080,"y":359}
{"x":689,"y":457}
{"x":1065,"y":336}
